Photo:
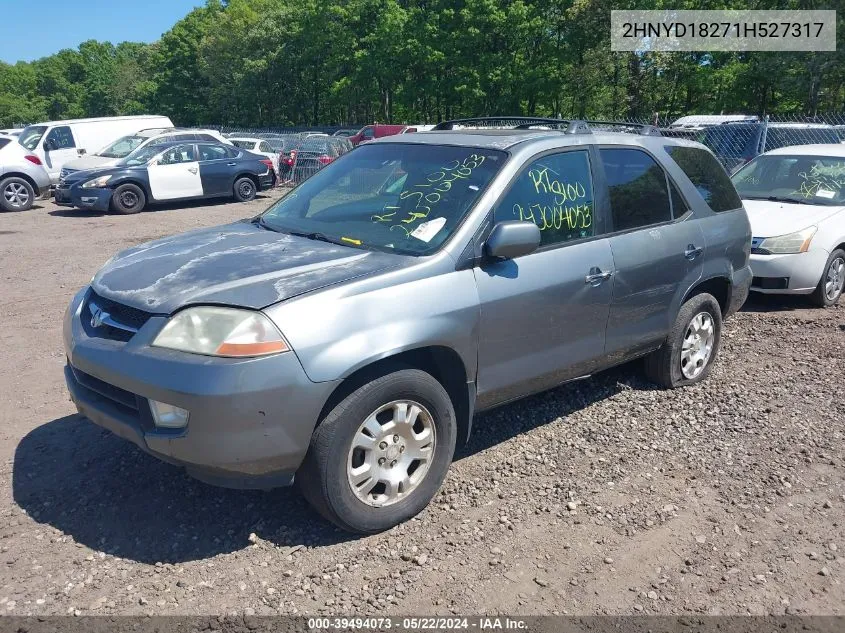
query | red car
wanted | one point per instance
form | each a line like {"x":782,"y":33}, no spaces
{"x":377,"y":130}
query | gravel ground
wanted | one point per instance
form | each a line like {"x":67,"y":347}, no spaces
{"x":605,"y":496}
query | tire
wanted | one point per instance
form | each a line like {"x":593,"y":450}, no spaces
{"x":244,"y":189}
{"x":16,"y":194}
{"x":128,"y":199}
{"x":668,"y":366}
{"x":324,"y":477}
{"x":833,"y":279}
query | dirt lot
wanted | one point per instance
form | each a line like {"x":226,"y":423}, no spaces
{"x":603,"y":496}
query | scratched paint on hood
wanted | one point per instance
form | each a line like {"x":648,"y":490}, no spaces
{"x":237,"y":264}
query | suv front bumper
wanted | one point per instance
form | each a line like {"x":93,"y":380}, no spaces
{"x":250,"y":420}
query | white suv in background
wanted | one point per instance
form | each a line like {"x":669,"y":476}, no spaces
{"x":122,"y":147}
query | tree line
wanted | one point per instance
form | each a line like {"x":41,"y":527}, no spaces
{"x":276,"y":63}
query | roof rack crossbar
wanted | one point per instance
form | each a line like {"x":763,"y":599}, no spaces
{"x":515,"y":122}
{"x":645,"y":129}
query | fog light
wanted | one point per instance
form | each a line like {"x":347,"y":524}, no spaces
{"x":168,"y":416}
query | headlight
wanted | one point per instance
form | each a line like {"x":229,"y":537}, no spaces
{"x":97,"y":183}
{"x":798,"y":242}
{"x":221,"y":332}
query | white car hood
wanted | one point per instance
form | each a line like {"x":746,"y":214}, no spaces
{"x":91,"y":162}
{"x":769,"y":219}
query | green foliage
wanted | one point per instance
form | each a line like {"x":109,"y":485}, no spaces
{"x":272,"y":63}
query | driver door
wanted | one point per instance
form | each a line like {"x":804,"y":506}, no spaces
{"x":176,"y":174}
{"x":544,"y":315}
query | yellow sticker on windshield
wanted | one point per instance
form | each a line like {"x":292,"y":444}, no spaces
{"x":351,"y":241}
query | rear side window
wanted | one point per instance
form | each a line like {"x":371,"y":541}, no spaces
{"x":639,"y":194}
{"x":212,"y":152}
{"x":707,"y":176}
{"x":4,"y":142}
{"x":555,"y":192}
{"x":206,"y":137}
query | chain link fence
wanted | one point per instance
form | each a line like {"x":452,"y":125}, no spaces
{"x":734,"y":139}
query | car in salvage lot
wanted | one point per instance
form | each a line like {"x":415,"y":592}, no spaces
{"x":346,"y":336}
{"x":23,"y":177}
{"x":795,"y":198}
{"x":161,"y":173}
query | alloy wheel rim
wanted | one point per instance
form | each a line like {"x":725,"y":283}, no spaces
{"x":835,"y":279}
{"x":246,"y":189}
{"x":391,"y":453}
{"x":16,"y":194}
{"x":697,"y":346}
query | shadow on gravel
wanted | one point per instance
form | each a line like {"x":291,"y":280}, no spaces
{"x":775,"y":303}
{"x":110,"y":496}
{"x":497,"y":425}
{"x":70,"y":212}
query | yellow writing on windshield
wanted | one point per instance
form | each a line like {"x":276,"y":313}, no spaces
{"x":822,"y":178}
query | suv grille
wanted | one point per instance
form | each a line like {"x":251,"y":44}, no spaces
{"x":104,"y":318}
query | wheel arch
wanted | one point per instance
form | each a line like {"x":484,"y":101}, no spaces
{"x":251,"y":176}
{"x":22,"y":176}
{"x":441,"y":362}
{"x":718,"y":286}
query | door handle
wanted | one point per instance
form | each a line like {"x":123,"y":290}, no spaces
{"x":693,"y":251}
{"x":231,"y":164}
{"x":597,"y":276}
{"x":193,"y":170}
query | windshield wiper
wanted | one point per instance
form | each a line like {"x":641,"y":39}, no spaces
{"x":320,"y":237}
{"x":778,"y":199}
{"x":259,"y":221}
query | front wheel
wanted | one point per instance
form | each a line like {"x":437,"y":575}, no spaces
{"x":381,"y":454}
{"x":688,"y":354}
{"x":244,"y":189}
{"x":832,"y":282}
{"x":128,"y":199}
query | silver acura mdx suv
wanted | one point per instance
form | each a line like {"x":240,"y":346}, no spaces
{"x":347,"y":335}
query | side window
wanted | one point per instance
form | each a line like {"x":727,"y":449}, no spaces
{"x":178,"y":154}
{"x":211,"y":152}
{"x":205,"y":137}
{"x":182,"y":137}
{"x":707,"y":176}
{"x":60,"y":138}
{"x":554,"y":192}
{"x":638,"y":192}
{"x":369,"y":132}
{"x":231,"y":152}
{"x":679,"y":205}
{"x":263,"y":147}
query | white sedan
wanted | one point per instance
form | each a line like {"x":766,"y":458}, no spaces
{"x":795,"y":198}
{"x":257,"y":146}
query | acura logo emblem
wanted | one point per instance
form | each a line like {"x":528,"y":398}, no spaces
{"x":98,"y":315}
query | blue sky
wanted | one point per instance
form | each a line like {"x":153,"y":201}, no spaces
{"x":37,"y":28}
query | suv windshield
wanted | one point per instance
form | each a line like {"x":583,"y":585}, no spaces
{"x":395,"y":197}
{"x":785,"y":136}
{"x":817,"y":180}
{"x":122,"y":147}
{"x":30,"y":137}
{"x":142,"y":156}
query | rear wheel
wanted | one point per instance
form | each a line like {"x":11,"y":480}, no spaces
{"x":688,"y":354}
{"x":16,"y":194}
{"x":128,"y":199}
{"x":380,"y":455}
{"x":832,"y":282}
{"x":244,"y":189}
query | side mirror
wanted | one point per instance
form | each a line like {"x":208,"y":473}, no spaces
{"x":512,"y":239}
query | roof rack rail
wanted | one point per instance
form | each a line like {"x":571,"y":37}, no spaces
{"x":514,"y":122}
{"x":644,"y":129}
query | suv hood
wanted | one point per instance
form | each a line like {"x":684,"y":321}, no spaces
{"x":237,"y":264}
{"x":769,"y":219}
{"x":92,"y":161}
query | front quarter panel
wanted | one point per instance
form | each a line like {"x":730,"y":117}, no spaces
{"x":342,"y":329}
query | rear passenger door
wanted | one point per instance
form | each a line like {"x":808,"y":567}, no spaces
{"x":657,"y":250}
{"x":216,"y":169}
{"x":543,"y":315}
